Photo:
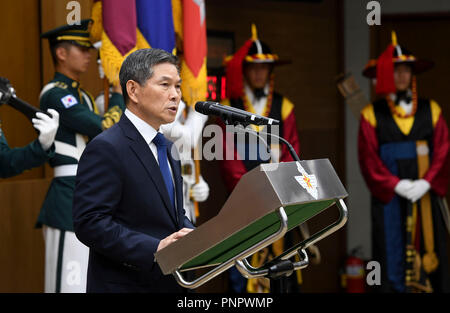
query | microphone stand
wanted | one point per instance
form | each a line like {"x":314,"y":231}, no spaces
{"x":278,"y":271}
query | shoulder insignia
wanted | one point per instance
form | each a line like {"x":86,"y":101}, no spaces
{"x":69,"y":101}
{"x":61,"y":85}
{"x":111,"y":117}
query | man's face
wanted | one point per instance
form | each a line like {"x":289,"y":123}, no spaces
{"x":402,"y":77}
{"x":158,"y":98}
{"x":76,"y":58}
{"x":257,"y":74}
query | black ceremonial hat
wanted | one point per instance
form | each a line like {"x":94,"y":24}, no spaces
{"x":76,"y":34}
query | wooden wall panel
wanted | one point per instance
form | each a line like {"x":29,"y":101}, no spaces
{"x":20,"y":63}
{"x":21,"y":244}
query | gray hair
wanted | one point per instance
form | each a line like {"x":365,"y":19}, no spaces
{"x":138,"y":66}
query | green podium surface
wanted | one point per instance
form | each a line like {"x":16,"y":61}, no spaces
{"x":252,"y":214}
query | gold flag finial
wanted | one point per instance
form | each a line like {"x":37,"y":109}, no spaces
{"x":254,"y":33}
{"x":394,"y":38}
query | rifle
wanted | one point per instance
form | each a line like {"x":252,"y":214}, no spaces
{"x":8,"y":96}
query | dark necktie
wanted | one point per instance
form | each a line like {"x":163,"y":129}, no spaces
{"x":259,"y":93}
{"x":161,"y":144}
{"x":402,"y":95}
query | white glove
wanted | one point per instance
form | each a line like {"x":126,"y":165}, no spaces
{"x":47,"y":127}
{"x":200,"y":191}
{"x":419,"y":188}
{"x":403,"y":187}
{"x":101,"y":72}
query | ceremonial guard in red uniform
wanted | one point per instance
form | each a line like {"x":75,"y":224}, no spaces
{"x":250,"y":87}
{"x":403,"y":150}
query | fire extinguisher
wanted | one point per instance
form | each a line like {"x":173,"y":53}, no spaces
{"x":353,"y":279}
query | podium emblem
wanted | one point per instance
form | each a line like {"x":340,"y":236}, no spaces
{"x":308,"y":182}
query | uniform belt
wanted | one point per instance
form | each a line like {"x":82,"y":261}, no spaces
{"x":65,"y":170}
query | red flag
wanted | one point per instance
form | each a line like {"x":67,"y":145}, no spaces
{"x":193,"y":65}
{"x":194,"y":26}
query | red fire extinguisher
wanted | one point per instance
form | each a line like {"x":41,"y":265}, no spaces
{"x":354,"y":277}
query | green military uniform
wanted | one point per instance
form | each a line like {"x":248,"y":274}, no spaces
{"x":66,"y":258}
{"x":15,"y":161}
{"x":78,"y":123}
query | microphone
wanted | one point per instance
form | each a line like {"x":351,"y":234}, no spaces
{"x":233,"y":115}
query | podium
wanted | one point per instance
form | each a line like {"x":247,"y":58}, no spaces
{"x":267,"y":202}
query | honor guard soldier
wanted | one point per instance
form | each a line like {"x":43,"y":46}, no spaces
{"x":66,"y":258}
{"x":403,"y":148}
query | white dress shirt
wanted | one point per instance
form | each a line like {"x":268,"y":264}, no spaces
{"x":149,"y":133}
{"x":260,"y":104}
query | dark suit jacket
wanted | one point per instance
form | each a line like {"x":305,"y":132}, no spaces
{"x":122,"y":210}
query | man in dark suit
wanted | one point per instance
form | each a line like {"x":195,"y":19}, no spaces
{"x":128,"y":200}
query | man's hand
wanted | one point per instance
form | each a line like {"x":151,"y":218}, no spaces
{"x":47,"y":127}
{"x":403,"y":187}
{"x":419,"y":188}
{"x":173,"y":237}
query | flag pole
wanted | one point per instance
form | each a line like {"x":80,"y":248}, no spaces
{"x":197,"y":178}
{"x":105,"y":93}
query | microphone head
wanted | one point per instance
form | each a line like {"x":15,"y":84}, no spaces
{"x":203,"y":106}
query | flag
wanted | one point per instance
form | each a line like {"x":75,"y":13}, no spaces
{"x":155,"y":22}
{"x":193,"y":60}
{"x":177,"y":26}
{"x":115,"y":25}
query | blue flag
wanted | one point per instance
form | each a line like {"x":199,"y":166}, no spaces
{"x":155,"y":22}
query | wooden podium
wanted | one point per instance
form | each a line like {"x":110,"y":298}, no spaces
{"x":267,"y":202}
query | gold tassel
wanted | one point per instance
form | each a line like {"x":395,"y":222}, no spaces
{"x":141,"y":42}
{"x":97,"y":26}
{"x":112,"y":59}
{"x":177,"y":14}
{"x":193,"y":88}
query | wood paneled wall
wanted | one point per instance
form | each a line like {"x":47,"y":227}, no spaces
{"x":20,"y":63}
{"x":21,"y":244}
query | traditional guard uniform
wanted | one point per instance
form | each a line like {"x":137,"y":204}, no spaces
{"x":14,"y":161}
{"x":246,"y":154}
{"x":66,"y":257}
{"x":409,"y":239}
